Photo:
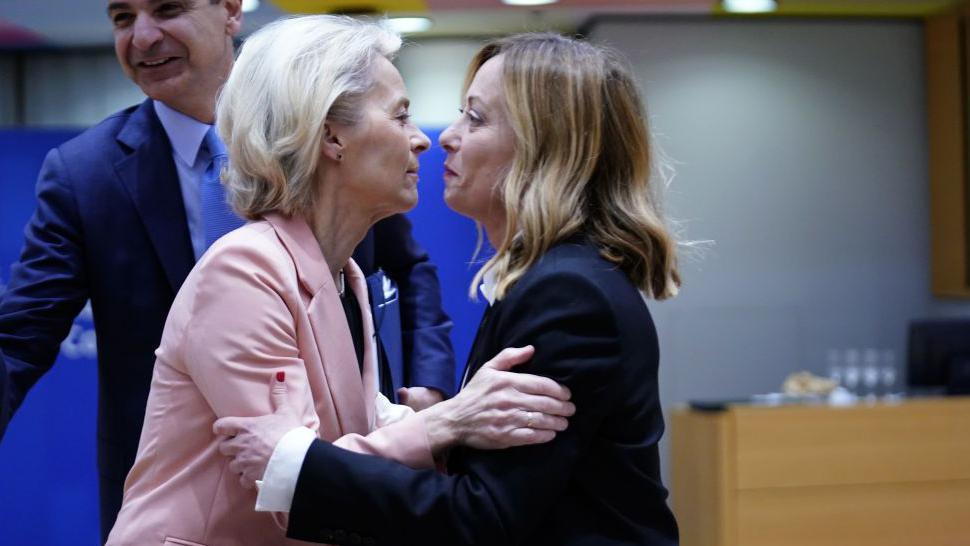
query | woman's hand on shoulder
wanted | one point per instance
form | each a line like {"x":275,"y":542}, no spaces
{"x":251,"y":441}
{"x":499,"y":408}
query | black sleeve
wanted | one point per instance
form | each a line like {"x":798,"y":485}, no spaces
{"x":47,"y":289}
{"x":504,"y":494}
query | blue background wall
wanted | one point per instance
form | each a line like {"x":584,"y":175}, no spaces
{"x":48,"y":477}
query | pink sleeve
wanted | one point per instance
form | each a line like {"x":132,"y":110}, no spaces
{"x":240,"y":332}
{"x":404,"y":441}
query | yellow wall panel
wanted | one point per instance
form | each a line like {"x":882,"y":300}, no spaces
{"x":327,"y":6}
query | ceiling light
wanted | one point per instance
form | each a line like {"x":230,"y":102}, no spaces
{"x":528,"y":2}
{"x":250,"y":5}
{"x":750,"y":6}
{"x":408,"y":25}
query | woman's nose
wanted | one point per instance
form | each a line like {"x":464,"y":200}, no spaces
{"x":420,"y":142}
{"x":449,"y":139}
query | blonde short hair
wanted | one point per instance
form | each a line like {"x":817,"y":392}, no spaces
{"x":582,"y":163}
{"x":289,"y":78}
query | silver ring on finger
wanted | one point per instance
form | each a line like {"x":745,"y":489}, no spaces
{"x":530,"y":420}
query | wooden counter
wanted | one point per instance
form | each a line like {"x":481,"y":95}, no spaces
{"x":882,"y":474}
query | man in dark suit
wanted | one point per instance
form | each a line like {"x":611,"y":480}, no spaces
{"x":424,"y":360}
{"x":118,"y":222}
{"x":597,"y":483}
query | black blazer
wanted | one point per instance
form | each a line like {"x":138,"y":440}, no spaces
{"x":597,"y":483}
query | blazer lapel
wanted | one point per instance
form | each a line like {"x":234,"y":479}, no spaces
{"x":356,"y":281}
{"x":149,"y":176}
{"x":476,"y":356}
{"x":330,"y":331}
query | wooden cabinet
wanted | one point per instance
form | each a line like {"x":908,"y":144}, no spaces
{"x":887,"y":475}
{"x":948,"y":118}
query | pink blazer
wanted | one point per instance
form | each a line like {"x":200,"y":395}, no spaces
{"x":260,"y":300}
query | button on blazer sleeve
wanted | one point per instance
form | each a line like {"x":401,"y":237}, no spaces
{"x":503,"y":494}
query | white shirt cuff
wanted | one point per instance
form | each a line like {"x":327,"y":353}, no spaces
{"x":387,"y":412}
{"x":278,"y":485}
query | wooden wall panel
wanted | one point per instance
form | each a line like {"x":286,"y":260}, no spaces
{"x":946,"y":112}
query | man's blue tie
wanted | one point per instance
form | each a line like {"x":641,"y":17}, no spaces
{"x":217,"y":217}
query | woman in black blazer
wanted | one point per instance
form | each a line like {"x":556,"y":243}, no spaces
{"x":551,"y":158}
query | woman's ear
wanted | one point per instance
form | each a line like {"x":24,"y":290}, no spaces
{"x":234,"y":17}
{"x":331,"y":147}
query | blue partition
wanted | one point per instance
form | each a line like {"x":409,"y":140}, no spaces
{"x":450,"y":240}
{"x":48,"y":477}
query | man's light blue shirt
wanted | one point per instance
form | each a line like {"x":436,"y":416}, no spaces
{"x":191,"y":159}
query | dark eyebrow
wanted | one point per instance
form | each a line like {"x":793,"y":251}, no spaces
{"x":116,"y":6}
{"x":124,"y":5}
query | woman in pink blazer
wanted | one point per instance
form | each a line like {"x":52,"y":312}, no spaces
{"x":315,"y":119}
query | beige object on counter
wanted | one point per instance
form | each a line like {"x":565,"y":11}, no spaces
{"x":802,"y":383}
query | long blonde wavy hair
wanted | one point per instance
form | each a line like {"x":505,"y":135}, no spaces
{"x":582,"y":162}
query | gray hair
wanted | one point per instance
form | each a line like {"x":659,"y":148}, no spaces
{"x":289,"y":78}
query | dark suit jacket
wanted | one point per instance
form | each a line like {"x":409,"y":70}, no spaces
{"x":597,"y":483}
{"x":429,"y":359}
{"x":110,"y":225}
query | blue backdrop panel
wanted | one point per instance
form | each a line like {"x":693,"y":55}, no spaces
{"x":47,"y":457}
{"x":450,"y":240}
{"x":48,"y":477}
